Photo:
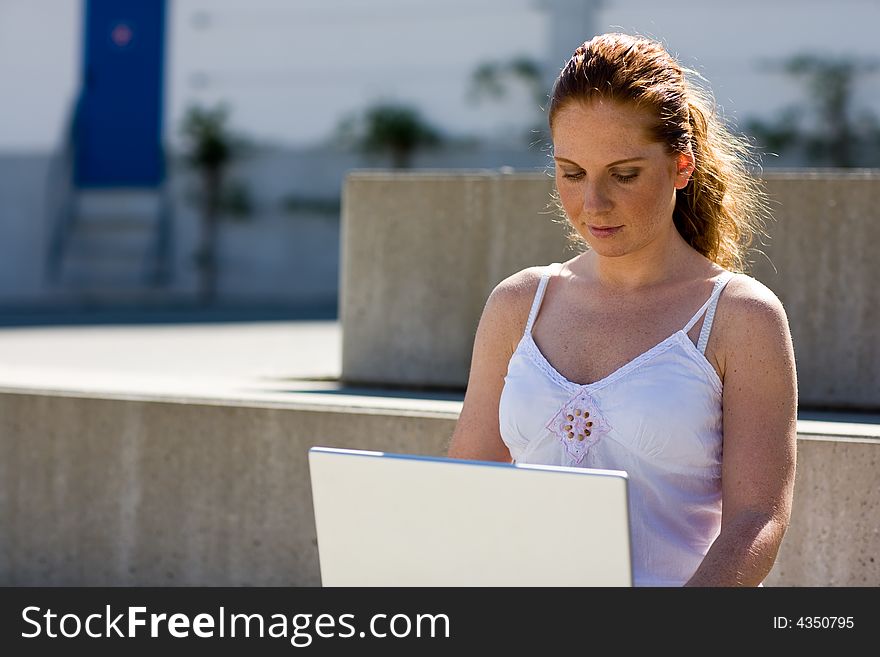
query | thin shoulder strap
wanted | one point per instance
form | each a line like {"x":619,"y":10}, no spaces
{"x":709,"y":309}
{"x":549,"y":270}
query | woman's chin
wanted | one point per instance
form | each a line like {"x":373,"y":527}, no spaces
{"x":604,"y":247}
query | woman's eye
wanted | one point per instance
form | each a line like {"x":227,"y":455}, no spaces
{"x":573,"y":176}
{"x":625,"y":178}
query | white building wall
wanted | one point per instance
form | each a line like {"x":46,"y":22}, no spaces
{"x":40,"y":49}
{"x":292,"y":69}
{"x":732,"y":44}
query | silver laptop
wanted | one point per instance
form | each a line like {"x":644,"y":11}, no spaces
{"x":400,"y":520}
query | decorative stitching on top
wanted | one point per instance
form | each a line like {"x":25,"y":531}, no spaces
{"x":541,"y":361}
{"x":579,"y":425}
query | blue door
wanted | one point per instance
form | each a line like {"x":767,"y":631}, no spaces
{"x":118,"y":127}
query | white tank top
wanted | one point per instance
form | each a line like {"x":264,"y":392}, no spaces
{"x":658,"y":417}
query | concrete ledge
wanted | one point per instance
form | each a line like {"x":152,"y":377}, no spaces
{"x":833,"y":538}
{"x":149,"y":492}
{"x":138,"y":492}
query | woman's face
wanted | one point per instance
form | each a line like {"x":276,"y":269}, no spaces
{"x":617,"y":186}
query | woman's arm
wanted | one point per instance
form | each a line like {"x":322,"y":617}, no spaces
{"x":760,"y":438}
{"x":477,"y":433}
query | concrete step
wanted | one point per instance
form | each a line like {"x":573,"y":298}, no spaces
{"x":115,"y":224}
{"x":108,"y":260}
{"x":127,"y":293}
{"x":132,"y":204}
{"x":109,"y":247}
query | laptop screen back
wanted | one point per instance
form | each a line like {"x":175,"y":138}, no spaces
{"x":399,"y":520}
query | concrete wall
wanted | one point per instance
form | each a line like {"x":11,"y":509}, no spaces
{"x":833,"y":538}
{"x":422,"y":251}
{"x":826,"y":274}
{"x":420,"y":254}
{"x":136,"y":493}
{"x":152,"y":493}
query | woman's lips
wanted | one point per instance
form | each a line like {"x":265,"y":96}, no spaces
{"x":598,"y":231}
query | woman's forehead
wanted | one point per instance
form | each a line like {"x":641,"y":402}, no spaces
{"x":602,"y":129}
{"x":604,"y":115}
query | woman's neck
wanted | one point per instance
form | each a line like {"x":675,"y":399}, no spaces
{"x":661,"y":261}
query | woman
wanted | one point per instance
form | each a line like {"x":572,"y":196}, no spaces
{"x":650,"y":351}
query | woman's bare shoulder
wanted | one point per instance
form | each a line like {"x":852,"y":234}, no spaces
{"x":749,"y":322}
{"x":748,"y":298}
{"x":519,"y":287}
{"x":508,"y":305}
{"x":749,"y":312}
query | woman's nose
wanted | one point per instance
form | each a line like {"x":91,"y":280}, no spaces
{"x":596,"y":198}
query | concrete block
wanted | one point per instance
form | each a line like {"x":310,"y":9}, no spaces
{"x":101,"y":492}
{"x":413,"y":276}
{"x":826,"y":274}
{"x":417,"y":269}
{"x":833,"y":538}
{"x":420,"y":254}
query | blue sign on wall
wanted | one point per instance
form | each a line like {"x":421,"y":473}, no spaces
{"x":118,"y":129}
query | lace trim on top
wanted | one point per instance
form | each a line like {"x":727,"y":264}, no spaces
{"x":532,"y":350}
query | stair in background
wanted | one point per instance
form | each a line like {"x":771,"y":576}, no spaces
{"x":115,"y":246}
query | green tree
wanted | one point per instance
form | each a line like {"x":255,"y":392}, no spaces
{"x":493,"y":81}
{"x":210,"y":148}
{"x":838,"y":135}
{"x":389,"y":128}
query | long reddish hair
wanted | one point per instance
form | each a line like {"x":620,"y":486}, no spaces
{"x":723,"y":206}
